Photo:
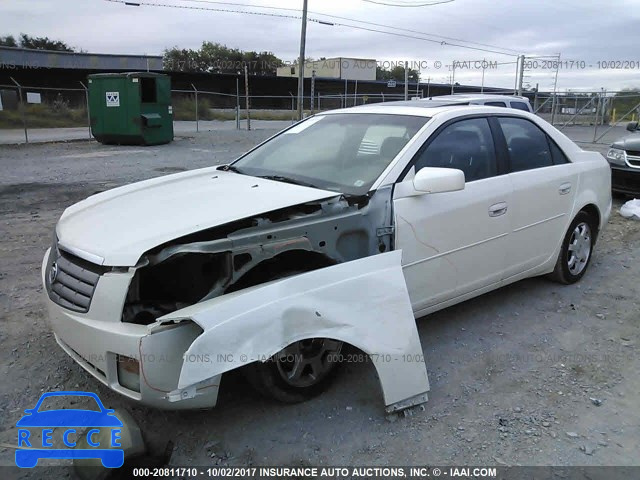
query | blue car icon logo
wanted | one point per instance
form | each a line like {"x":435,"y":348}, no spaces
{"x":67,"y":424}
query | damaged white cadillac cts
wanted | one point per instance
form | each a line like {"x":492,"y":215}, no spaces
{"x":342,"y":229}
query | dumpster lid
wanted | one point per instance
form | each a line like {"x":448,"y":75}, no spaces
{"x":126,"y":74}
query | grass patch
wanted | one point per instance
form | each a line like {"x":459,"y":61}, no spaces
{"x":44,"y":116}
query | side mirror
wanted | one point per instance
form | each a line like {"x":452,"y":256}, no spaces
{"x":438,"y":180}
{"x":632,"y":126}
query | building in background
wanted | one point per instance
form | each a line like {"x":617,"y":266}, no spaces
{"x":340,"y":68}
{"x":24,"y":58}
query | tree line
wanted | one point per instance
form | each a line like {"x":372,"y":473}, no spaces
{"x":211,"y":57}
{"x":35,"y":43}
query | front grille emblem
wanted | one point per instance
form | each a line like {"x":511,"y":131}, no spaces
{"x":53,"y":273}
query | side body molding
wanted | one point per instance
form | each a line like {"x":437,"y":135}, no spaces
{"x":363,"y":302}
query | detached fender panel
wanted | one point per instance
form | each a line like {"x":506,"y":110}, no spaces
{"x":363,"y":302}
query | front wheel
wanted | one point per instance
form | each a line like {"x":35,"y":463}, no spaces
{"x":576,"y":251}
{"x":297,"y":373}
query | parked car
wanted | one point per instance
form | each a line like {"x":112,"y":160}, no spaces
{"x":307,"y":242}
{"x":490,"y":100}
{"x":624,"y":158}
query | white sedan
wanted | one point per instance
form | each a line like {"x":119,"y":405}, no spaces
{"x":341,"y":229}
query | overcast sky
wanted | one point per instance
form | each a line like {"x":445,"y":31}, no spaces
{"x":581,"y":31}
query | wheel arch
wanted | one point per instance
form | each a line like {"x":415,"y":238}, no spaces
{"x":592,"y":210}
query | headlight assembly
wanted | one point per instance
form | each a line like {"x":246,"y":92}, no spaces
{"x":617,"y":156}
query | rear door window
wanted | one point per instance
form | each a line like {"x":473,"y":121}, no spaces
{"x":527,"y":144}
{"x":496,"y":104}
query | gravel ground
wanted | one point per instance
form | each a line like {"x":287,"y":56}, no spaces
{"x":532,"y":374}
{"x":42,"y":135}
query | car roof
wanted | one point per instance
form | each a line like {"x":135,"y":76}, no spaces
{"x":424,"y":109}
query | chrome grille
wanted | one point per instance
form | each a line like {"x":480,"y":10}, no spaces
{"x":71,"y":281}
{"x":633,"y":159}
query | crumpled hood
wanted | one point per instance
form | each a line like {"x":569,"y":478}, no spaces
{"x":630,"y":142}
{"x":119,"y":225}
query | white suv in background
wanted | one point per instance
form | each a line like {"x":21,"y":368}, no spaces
{"x":489,"y":100}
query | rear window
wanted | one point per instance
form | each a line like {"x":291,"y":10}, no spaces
{"x":520,"y":106}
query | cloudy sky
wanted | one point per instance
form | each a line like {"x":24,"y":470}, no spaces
{"x":586,"y":34}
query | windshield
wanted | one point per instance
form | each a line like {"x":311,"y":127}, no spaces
{"x":344,"y":152}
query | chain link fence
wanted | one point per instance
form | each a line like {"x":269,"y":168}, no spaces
{"x":24,"y":109}
{"x":27,"y":108}
{"x":602,"y":111}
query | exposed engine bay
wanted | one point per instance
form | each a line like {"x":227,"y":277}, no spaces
{"x":248,"y":252}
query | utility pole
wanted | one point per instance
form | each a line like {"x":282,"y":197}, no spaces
{"x":521,"y":76}
{"x":303,"y":41}
{"x":406,"y":81}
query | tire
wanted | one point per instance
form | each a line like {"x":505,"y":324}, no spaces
{"x":297,"y":373}
{"x":576,"y":251}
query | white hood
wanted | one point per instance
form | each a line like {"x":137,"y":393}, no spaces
{"x":119,"y":225}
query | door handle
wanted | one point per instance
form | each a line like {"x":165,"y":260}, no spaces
{"x":564,"y":188}
{"x":498,"y":209}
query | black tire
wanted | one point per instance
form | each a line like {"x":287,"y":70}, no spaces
{"x":576,"y":251}
{"x":272,"y":378}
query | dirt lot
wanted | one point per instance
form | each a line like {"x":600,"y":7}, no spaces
{"x":515,"y":374}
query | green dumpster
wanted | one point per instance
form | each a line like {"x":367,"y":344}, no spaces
{"x":131,"y":108}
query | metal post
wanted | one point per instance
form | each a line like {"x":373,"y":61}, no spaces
{"x":86,"y":98}
{"x":22,"y":111}
{"x":355,"y":94}
{"x":406,"y":81}
{"x":238,"y":102}
{"x":600,"y":107}
{"x":453,"y":75}
{"x":303,"y":40}
{"x":197,"y":113}
{"x":555,"y":88}
{"x":313,"y":90}
{"x":346,"y":93}
{"x":246,"y":92}
{"x":428,"y":86}
{"x":293,"y":108}
{"x":482,"y":86}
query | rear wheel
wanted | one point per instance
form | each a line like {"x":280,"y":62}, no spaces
{"x":576,"y":250}
{"x":298,"y":372}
